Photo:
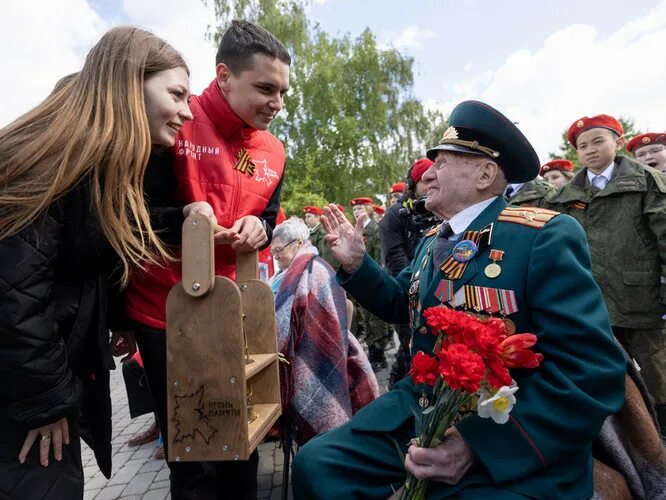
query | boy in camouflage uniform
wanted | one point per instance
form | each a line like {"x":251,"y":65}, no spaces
{"x":621,"y":204}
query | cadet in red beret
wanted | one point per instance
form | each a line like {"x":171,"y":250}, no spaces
{"x":378,"y":212}
{"x":396,"y":192}
{"x":416,"y":185}
{"x":557,"y":172}
{"x":376,"y":333}
{"x":621,"y":204}
{"x":649,"y":149}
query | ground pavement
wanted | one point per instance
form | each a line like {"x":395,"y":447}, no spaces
{"x":137,"y":475}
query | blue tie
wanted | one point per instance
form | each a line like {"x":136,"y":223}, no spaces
{"x":443,"y":245}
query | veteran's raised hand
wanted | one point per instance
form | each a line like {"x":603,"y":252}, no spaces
{"x":345,"y":240}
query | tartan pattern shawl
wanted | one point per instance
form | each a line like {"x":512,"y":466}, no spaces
{"x":328,"y":378}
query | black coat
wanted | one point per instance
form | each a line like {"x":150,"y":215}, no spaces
{"x":55,"y":291}
{"x":399,"y":237}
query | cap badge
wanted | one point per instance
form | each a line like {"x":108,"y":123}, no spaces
{"x":580,"y":124}
{"x":450,"y":133}
{"x":645,"y":140}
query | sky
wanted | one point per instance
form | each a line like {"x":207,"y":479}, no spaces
{"x":544,"y":63}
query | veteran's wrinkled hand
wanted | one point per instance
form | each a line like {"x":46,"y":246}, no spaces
{"x":345,"y":240}
{"x":447,"y":463}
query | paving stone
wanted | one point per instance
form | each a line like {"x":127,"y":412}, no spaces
{"x":127,"y":472}
{"x":96,"y":482}
{"x":90,"y":494}
{"x":110,"y":492}
{"x":153,"y":465}
{"x":145,"y":451}
{"x":265,"y":464}
{"x":263,"y":494}
{"x":158,"y":485}
{"x":264,"y":481}
{"x":156,"y":494}
{"x":163,"y":474}
{"x":120,"y":459}
{"x":277,"y":478}
{"x":140,"y":484}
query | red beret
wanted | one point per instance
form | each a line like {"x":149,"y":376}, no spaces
{"x":398,"y":187}
{"x":378,"y":210}
{"x":313,"y":210}
{"x":419,"y":168}
{"x":645,"y":140}
{"x":340,"y":207}
{"x":561,"y":165}
{"x":586,"y":123}
{"x":361,"y":201}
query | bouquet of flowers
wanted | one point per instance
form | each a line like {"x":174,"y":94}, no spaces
{"x":470,"y":369}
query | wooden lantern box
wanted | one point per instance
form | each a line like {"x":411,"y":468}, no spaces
{"x":223,"y":387}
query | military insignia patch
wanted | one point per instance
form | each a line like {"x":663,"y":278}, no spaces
{"x":464,"y":251}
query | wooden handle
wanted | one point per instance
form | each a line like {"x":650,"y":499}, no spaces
{"x":198,"y":255}
{"x":247,"y":266}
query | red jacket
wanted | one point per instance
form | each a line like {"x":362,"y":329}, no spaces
{"x":204,"y":159}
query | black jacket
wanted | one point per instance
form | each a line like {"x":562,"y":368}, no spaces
{"x":399,"y":237}
{"x":55,"y":291}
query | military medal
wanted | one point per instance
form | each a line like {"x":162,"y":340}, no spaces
{"x":444,"y":291}
{"x":464,"y":251}
{"x":509,"y":325}
{"x":423,"y":401}
{"x":494,"y":270}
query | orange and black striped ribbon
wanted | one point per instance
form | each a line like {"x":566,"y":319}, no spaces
{"x":451,"y":267}
{"x":245,"y":164}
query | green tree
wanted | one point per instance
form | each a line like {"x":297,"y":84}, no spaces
{"x":351,"y":124}
{"x":567,"y":151}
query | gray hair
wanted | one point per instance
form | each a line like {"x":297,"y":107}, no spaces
{"x":292,"y":229}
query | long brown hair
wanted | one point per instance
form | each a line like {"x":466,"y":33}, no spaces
{"x":93,"y":128}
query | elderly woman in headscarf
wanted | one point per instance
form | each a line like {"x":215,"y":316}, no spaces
{"x":328,"y":376}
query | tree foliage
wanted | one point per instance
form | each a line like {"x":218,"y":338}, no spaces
{"x":567,"y":151}
{"x":351,"y":124}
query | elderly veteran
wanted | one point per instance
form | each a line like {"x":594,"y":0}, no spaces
{"x":545,"y":449}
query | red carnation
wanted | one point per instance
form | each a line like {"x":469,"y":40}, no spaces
{"x":453,"y":323}
{"x":424,"y":369}
{"x":498,"y":375}
{"x":515,"y":351}
{"x":461,"y":368}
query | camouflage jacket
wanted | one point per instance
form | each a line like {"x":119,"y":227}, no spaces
{"x":533,"y":194}
{"x":626,"y":229}
{"x":373,"y":245}
{"x":318,"y":239}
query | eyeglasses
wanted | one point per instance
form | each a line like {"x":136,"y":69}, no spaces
{"x":279,"y":250}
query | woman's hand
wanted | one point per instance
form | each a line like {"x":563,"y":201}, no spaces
{"x":200,"y":207}
{"x":55,"y":434}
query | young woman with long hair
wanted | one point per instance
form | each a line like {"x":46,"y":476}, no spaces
{"x":73,"y":225}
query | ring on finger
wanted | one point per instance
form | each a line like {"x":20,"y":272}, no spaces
{"x":46,"y":437}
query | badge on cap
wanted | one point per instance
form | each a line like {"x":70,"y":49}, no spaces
{"x":464,"y":251}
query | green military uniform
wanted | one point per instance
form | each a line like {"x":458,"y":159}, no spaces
{"x":318,"y":239}
{"x":545,"y":450}
{"x":533,"y":194}
{"x":626,"y":229}
{"x":377,"y":333}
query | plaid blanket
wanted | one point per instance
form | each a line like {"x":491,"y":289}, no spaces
{"x":328,"y":378}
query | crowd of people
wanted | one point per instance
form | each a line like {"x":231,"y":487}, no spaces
{"x":97,"y":180}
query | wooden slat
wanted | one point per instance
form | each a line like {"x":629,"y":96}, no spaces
{"x":267,"y":415}
{"x":198,"y":255}
{"x":247,"y":266}
{"x":206,"y":390}
{"x":259,"y":322}
{"x":260,"y":361}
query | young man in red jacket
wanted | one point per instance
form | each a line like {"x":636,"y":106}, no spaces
{"x":227,"y":157}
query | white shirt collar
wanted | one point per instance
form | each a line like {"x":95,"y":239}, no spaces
{"x":607,"y":173}
{"x":313,"y":229}
{"x":461,"y":221}
{"x":367,"y":221}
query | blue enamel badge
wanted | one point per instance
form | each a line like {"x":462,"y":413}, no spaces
{"x":464,"y":251}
